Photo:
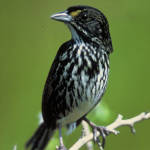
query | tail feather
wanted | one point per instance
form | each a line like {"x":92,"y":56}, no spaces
{"x":40,"y":138}
{"x":44,"y":141}
{"x":35,"y":136}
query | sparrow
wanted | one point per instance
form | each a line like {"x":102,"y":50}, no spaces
{"x":78,"y":77}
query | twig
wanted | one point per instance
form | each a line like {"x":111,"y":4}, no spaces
{"x":111,"y":128}
{"x":15,"y":147}
{"x":86,"y":132}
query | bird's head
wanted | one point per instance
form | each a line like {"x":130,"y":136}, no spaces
{"x":86,"y":23}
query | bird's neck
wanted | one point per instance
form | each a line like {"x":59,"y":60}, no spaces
{"x":83,"y":37}
{"x":75,"y":35}
{"x":80,"y":37}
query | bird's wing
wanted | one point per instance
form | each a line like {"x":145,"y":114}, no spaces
{"x":53,"y":102}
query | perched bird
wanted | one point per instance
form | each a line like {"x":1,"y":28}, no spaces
{"x":78,"y":76}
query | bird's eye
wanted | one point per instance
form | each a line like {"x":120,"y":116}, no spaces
{"x":85,"y":16}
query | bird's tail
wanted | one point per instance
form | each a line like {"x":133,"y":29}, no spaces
{"x":40,"y":138}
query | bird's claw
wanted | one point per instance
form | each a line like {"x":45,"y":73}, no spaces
{"x":103,"y":132}
{"x":61,"y":147}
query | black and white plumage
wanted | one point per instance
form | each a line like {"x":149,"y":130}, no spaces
{"x":78,"y":76}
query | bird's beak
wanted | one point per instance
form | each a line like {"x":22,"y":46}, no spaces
{"x":62,"y":16}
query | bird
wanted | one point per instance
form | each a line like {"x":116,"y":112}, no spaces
{"x":78,"y":77}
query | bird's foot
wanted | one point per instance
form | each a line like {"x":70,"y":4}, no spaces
{"x":61,"y":147}
{"x":103,"y":133}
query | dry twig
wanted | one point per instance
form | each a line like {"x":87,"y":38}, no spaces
{"x":112,"y":128}
{"x":86,"y":132}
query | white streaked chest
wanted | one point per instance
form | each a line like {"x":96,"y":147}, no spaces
{"x":86,"y":105}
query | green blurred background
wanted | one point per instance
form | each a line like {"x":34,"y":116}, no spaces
{"x":29,"y":41}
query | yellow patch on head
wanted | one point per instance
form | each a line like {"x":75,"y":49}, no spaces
{"x":75,"y":13}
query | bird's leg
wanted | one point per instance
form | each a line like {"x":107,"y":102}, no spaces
{"x":103,"y":132}
{"x":61,"y":147}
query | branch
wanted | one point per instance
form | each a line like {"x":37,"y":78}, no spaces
{"x":86,"y":132}
{"x":15,"y":147}
{"x":112,"y":128}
